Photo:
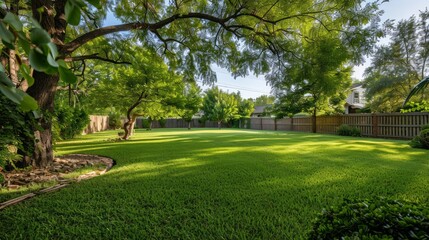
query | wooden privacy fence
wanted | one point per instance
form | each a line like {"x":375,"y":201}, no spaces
{"x":389,"y":125}
{"x":97,"y":123}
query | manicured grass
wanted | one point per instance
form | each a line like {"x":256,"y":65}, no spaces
{"x":218,"y":184}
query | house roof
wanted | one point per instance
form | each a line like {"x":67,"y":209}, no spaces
{"x":259,"y":109}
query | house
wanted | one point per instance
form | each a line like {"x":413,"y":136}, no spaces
{"x":356,"y":99}
{"x":259,"y":111}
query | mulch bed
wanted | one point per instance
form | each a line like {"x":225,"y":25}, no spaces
{"x":55,"y":172}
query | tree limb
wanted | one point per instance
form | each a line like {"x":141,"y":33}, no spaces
{"x":93,"y":56}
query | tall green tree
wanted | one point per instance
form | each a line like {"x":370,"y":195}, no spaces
{"x":238,"y":35}
{"x":399,"y":65}
{"x":192,"y":102}
{"x":316,"y":80}
{"x":219,"y":106}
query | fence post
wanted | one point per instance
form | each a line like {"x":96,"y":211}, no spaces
{"x":275,"y":124}
{"x":374,"y":121}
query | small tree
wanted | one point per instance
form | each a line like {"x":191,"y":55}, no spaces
{"x":192,"y":102}
{"x":219,"y":106}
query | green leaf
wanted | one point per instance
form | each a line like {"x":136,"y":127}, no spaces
{"x":39,"y":36}
{"x":4,"y":79}
{"x":11,"y":93}
{"x":5,"y":34}
{"x":52,"y":61}
{"x":72,"y":12}
{"x":95,"y":3}
{"x":25,"y":72}
{"x":13,"y":21}
{"x":53,"y":50}
{"x":67,"y":75}
{"x":25,"y":45}
{"x":38,"y":61}
{"x":28,"y":103}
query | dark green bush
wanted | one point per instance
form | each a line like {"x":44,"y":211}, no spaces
{"x":162,"y":122}
{"x":69,"y":122}
{"x":145,"y":123}
{"x":346,"y":130}
{"x":115,"y":120}
{"x":424,"y":138}
{"x":372,"y":219}
{"x":421,"y":140}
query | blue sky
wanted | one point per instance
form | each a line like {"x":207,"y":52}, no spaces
{"x":253,"y":86}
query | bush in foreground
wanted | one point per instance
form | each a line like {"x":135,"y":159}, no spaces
{"x":372,"y":219}
{"x":421,"y":140}
{"x":346,"y":130}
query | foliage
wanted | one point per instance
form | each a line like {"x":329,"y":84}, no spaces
{"x":346,"y":130}
{"x":372,"y":219}
{"x":15,"y":131}
{"x":219,"y":106}
{"x":70,"y":121}
{"x":114,"y":120}
{"x":422,"y":106}
{"x":264,"y":100}
{"x":146,"y":123}
{"x":223,"y":183}
{"x":399,"y":65}
{"x":316,"y":80}
{"x":193,"y":101}
{"x":419,"y":87}
{"x":162,"y":122}
{"x":421,"y":140}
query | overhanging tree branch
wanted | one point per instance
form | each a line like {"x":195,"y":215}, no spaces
{"x":93,"y":56}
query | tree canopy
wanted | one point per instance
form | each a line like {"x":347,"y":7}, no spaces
{"x":399,"y":65}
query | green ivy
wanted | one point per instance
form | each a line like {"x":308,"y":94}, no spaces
{"x":16,"y":131}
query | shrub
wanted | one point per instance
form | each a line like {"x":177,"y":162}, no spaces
{"x":69,"y":122}
{"x":115,"y":120}
{"x":162,"y":122}
{"x":145,"y":123}
{"x":421,"y":140}
{"x":16,"y":133}
{"x":346,"y":130}
{"x":424,"y":138}
{"x":372,"y":219}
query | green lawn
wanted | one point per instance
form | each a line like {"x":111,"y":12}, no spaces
{"x":217,"y":184}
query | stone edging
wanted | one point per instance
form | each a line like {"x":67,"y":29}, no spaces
{"x":63,"y":183}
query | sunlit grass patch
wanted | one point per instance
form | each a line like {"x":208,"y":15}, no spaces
{"x":209,"y":183}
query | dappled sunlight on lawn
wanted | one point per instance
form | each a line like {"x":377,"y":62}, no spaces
{"x":253,"y":181}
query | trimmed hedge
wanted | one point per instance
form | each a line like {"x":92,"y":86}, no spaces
{"x":372,"y":219}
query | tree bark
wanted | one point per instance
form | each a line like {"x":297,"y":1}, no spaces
{"x":189,"y":125}
{"x":219,"y":124}
{"x":43,"y":90}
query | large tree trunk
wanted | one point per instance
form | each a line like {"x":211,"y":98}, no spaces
{"x":43,"y":90}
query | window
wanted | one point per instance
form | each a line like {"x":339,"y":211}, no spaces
{"x":356,"y":97}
